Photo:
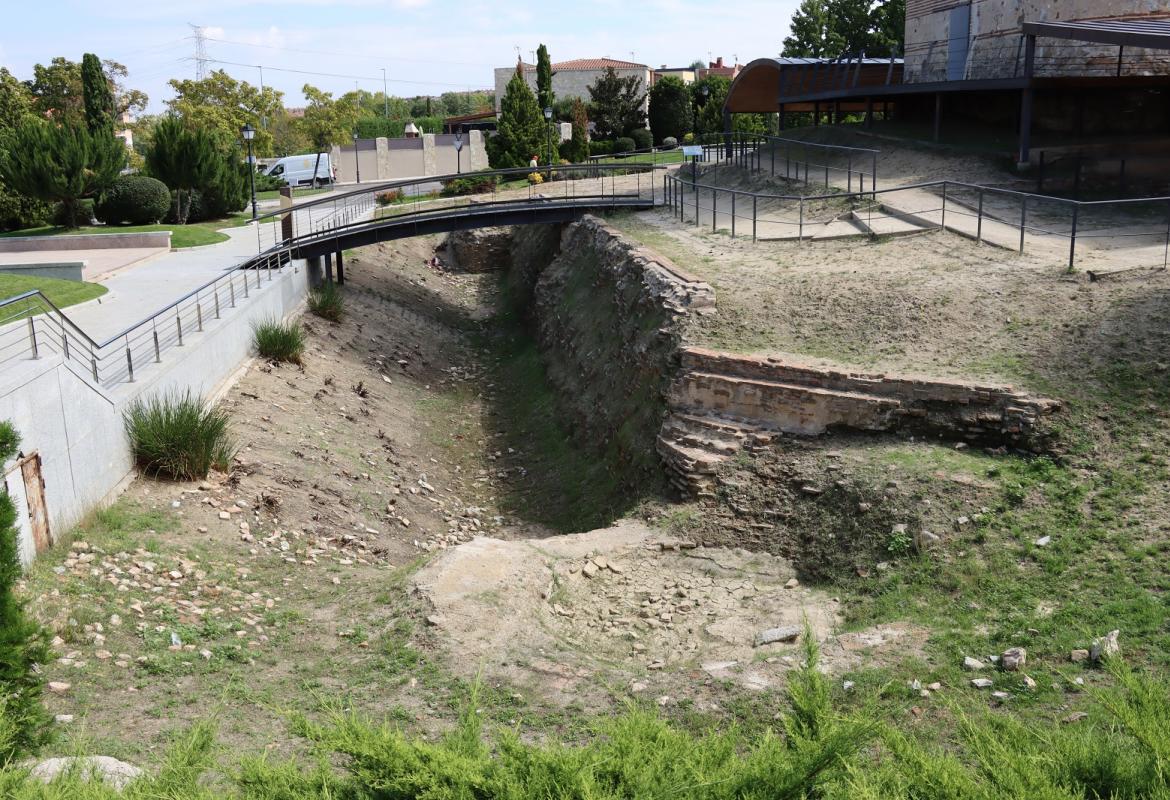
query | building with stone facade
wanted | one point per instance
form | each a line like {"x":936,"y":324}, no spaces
{"x":963,"y":40}
{"x":573,"y":78}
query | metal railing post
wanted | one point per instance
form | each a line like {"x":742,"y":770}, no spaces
{"x":93,"y":365}
{"x":157,"y":352}
{"x":129,"y":361}
{"x":1166,"y":255}
{"x":943,"y":224}
{"x":199,"y":314}
{"x":232,"y":289}
{"x":800,"y":230}
{"x":849,"y":174}
{"x":1072,"y":247}
{"x":245,"y":285}
{"x":873,"y":178}
{"x":979,"y":223}
{"x":754,"y":199}
{"x":32,"y":338}
{"x":714,"y":204}
{"x":733,"y":215}
{"x":1023,"y":219}
{"x":179,"y":325}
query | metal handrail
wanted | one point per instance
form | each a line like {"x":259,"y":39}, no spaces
{"x":511,"y":171}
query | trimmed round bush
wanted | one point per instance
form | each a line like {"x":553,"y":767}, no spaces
{"x":643,"y":139}
{"x":134,"y":200}
{"x":670,"y":141}
{"x":623,"y":144}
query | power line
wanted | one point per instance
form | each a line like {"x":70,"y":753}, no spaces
{"x":335,"y":74}
{"x":342,"y":55}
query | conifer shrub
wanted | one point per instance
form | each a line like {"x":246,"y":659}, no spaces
{"x":279,"y":341}
{"x":23,"y":643}
{"x":175,"y":436}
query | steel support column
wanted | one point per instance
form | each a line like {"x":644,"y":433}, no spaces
{"x":1026,"y":102}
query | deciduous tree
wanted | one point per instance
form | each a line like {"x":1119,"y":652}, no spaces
{"x":222,"y":105}
{"x":577,"y":149}
{"x":670,"y":109}
{"x":616,"y":104}
{"x":326,"y":121}
{"x":832,"y":28}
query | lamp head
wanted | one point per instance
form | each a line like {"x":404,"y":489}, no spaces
{"x":548,"y":113}
{"x":248,"y":132}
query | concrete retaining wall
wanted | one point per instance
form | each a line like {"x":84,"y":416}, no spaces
{"x":77,"y":427}
{"x":85,"y":241}
{"x":60,"y":270}
{"x":394,"y":159}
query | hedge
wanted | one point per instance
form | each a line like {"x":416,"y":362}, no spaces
{"x":134,"y":200}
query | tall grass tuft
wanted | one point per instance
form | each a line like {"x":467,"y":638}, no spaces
{"x":327,"y":302}
{"x":175,"y":436}
{"x":279,"y":341}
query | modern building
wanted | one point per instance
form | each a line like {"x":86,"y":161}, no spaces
{"x":1073,"y":74}
{"x":573,"y":78}
{"x":684,"y":74}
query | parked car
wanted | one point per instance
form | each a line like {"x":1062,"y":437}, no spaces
{"x":298,"y":170}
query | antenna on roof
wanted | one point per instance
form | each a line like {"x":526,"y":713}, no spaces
{"x":517,"y":51}
{"x":631,"y":55}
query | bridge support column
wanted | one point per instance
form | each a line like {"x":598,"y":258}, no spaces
{"x":315,"y":272}
{"x":340,"y":269}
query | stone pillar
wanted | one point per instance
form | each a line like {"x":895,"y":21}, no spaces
{"x":383,"y":146}
{"x":429,"y":165}
{"x":475,"y":151}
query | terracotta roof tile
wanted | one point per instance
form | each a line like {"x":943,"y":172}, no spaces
{"x":595,"y":64}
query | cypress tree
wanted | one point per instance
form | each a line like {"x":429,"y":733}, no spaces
{"x":95,"y":92}
{"x":521,"y":128}
{"x":184,"y":159}
{"x":544,"y":91}
{"x":23,"y":643}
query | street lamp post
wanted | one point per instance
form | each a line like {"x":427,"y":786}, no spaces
{"x":248,"y":132}
{"x":357,"y":164}
{"x":459,"y":151}
{"x":548,"y":135}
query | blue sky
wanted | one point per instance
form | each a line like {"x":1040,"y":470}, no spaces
{"x":426,"y":46}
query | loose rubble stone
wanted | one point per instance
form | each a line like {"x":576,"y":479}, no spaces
{"x":786,"y":633}
{"x":1076,"y":716}
{"x":1077,"y":656}
{"x":1013,"y":659}
{"x":982,"y":683}
{"x":59,"y":687}
{"x":1106,"y":647}
{"x":115,"y":773}
{"x":973,"y":664}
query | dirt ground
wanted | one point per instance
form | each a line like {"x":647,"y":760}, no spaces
{"x":366,"y":551}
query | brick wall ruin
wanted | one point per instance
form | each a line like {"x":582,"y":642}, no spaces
{"x":721,"y":403}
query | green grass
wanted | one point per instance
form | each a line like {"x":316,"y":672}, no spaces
{"x":61,"y":293}
{"x":279,"y":341}
{"x":665,"y":157}
{"x":327,"y":302}
{"x":195,"y":234}
{"x":175,"y":436}
{"x":275,"y":194}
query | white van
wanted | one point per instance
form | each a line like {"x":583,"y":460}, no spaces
{"x":298,"y":170}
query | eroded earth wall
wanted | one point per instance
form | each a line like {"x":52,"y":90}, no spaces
{"x":608,"y":316}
